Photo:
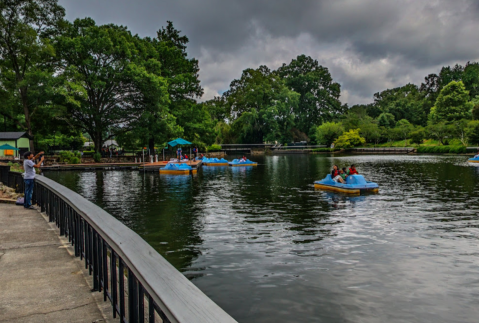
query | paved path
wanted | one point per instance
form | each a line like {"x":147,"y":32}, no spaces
{"x":40,"y":280}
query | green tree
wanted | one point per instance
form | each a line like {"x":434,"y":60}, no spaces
{"x":349,"y":139}
{"x":475,"y":112}
{"x":319,"y":95}
{"x":473,"y":132}
{"x":439,"y":131}
{"x":471,"y":78}
{"x":405,"y":102}
{"x":386,"y":120}
{"x":459,"y":130}
{"x":369,"y":129}
{"x":328,"y":132}
{"x":404,"y":127}
{"x":115,"y":75}
{"x":453,"y":102}
{"x":181,"y":74}
{"x":417,"y":136}
{"x":260,"y":106}
{"x":26,"y":57}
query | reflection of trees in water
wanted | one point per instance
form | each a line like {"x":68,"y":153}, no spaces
{"x":279,"y":190}
{"x":159,"y":208}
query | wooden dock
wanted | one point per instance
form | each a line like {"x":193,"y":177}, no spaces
{"x":150,"y":167}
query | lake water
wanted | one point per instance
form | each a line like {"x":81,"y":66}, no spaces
{"x":267,"y":247}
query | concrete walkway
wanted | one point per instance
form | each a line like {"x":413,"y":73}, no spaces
{"x":40,"y":279}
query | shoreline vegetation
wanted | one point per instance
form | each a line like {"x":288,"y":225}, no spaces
{"x":82,"y":82}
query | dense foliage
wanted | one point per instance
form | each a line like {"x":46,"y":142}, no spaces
{"x":63,"y":82}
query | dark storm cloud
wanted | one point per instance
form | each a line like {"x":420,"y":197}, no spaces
{"x":368,"y":45}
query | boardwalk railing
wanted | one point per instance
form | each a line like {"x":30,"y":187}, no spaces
{"x":140,"y":284}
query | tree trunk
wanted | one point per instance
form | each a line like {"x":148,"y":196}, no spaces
{"x":97,"y":141}
{"x":26,"y":111}
{"x":151,"y":145}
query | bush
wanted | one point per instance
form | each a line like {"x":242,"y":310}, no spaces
{"x":472,"y":132}
{"x":97,"y":157}
{"x":349,"y":139}
{"x":70,"y":157}
{"x":442,"y":149}
{"x":65,"y":156}
{"x":328,"y":132}
{"x":417,"y":136}
{"x":213,"y":148}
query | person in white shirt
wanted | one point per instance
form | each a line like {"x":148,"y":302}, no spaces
{"x":29,"y":167}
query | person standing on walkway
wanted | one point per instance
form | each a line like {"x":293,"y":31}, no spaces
{"x":29,"y":167}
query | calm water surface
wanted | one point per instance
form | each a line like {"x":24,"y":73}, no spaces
{"x":267,"y":247}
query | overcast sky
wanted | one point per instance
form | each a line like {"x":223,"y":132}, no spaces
{"x":368,"y":45}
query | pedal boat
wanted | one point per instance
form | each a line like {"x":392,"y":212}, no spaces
{"x":215,"y":162}
{"x":239,"y":162}
{"x":474,"y":160}
{"x":177,"y":169}
{"x":355,"y":184}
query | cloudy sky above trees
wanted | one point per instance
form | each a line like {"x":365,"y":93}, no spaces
{"x":368,"y":45}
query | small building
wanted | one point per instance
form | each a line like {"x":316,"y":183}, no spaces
{"x":15,"y":139}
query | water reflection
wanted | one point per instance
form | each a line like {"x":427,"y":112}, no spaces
{"x":267,"y":247}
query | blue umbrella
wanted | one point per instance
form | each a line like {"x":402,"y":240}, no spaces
{"x":179,"y":141}
{"x":8,"y":147}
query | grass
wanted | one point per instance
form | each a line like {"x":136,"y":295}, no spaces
{"x":400,"y":143}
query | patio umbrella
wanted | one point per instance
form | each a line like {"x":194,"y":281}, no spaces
{"x":180,"y":141}
{"x":8,"y":147}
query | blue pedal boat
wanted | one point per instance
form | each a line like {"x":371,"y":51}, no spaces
{"x":355,"y":184}
{"x":474,"y":160}
{"x":177,"y":169}
{"x":240,"y":162}
{"x":215,"y":162}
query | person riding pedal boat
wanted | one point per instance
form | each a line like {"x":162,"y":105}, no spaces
{"x":343,"y":173}
{"x":352,"y":170}
{"x":335,"y":171}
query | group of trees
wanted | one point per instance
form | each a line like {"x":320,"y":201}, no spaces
{"x":77,"y":79}
{"x":444,"y":107}
{"x":277,"y":106}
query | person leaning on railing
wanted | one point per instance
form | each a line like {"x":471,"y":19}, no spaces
{"x":29,"y":176}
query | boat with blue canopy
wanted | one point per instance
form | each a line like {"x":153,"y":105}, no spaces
{"x":214,"y":162}
{"x":474,"y":160}
{"x":242,"y":162}
{"x":355,"y":184}
{"x":177,"y":169}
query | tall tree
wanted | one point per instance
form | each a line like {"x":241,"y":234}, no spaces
{"x":261,"y":106}
{"x":117,"y":78}
{"x":403,"y":102}
{"x":184,"y":87}
{"x":25,"y":54}
{"x":319,"y":95}
{"x":453,"y":102}
{"x":471,"y":79}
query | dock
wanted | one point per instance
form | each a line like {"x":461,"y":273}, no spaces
{"x":149,"y":167}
